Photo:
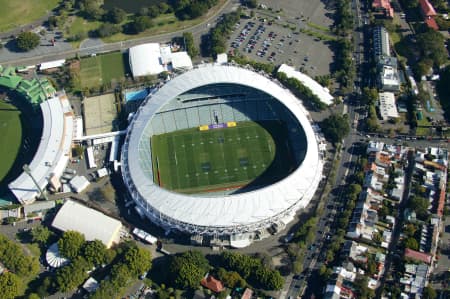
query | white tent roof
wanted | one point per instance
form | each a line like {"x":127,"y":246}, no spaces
{"x":91,"y":223}
{"x":317,"y":89}
{"x":181,"y":60}
{"x":51,"y":64}
{"x":54,"y":258}
{"x":146,"y":60}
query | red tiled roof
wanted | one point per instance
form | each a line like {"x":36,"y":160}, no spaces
{"x":248,"y":293}
{"x":427,"y":8}
{"x":441,"y":204}
{"x":212,"y":284}
{"x":419,"y":256}
{"x":384,"y":4}
{"x":431,"y":23}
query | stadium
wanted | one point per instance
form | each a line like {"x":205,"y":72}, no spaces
{"x":221,"y":153}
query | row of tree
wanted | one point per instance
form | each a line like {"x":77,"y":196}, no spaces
{"x":216,"y":42}
{"x":253,"y":270}
{"x":301,"y":91}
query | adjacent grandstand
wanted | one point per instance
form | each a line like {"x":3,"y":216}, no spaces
{"x":211,"y":95}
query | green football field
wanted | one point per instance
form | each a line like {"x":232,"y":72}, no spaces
{"x":251,"y":154}
{"x":10,"y":136}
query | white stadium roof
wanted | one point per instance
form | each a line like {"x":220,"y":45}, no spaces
{"x":91,"y":223}
{"x":227,"y":214}
{"x":53,"y":152}
{"x":321,"y":92}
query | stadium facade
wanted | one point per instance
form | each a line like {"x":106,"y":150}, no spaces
{"x":193,"y":99}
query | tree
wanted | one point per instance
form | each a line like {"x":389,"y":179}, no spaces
{"x":369,"y":95}
{"x":10,"y":285}
{"x":70,"y":244}
{"x":91,"y":9}
{"x":420,"y":206}
{"x":141,"y":23}
{"x":71,"y":276}
{"x":138,"y":260}
{"x":95,"y":252}
{"x":187,"y":269}
{"x":189,"y":44}
{"x":40,"y":234}
{"x":231,"y":279}
{"x":252,"y":3}
{"x":27,"y":41}
{"x":107,"y":29}
{"x":116,"y":15}
{"x":411,"y":243}
{"x":14,"y":259}
{"x":429,"y":292}
{"x":432,"y":45}
{"x":335,"y":127}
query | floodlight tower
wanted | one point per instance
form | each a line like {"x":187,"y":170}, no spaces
{"x":27,"y":170}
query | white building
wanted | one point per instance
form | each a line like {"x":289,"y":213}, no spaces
{"x":91,"y":223}
{"x":388,"y":109}
{"x":79,"y":183}
{"x":152,"y":59}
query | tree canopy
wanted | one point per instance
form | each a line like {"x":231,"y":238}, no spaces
{"x":95,"y":252}
{"x":27,"y":41}
{"x":138,"y":260}
{"x":10,"y":285}
{"x":71,"y":276}
{"x":335,"y":127}
{"x":70,"y":244}
{"x":14,"y":259}
{"x":40,"y":234}
{"x":187,"y":269}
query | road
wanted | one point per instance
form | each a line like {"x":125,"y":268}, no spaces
{"x":196,"y":30}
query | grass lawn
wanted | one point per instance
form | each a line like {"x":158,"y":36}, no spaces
{"x":16,"y":13}
{"x":79,"y":26}
{"x":10,"y":136}
{"x":102,"y":69}
{"x":194,"y":161}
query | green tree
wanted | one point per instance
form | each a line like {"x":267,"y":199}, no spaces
{"x":369,"y":95}
{"x":10,"y":285}
{"x":335,"y":127}
{"x":70,"y":244}
{"x":107,"y":29}
{"x":187,"y":269}
{"x":138,"y":260}
{"x":14,"y":259}
{"x":71,"y":276}
{"x":33,"y":296}
{"x":27,"y":41}
{"x":251,"y":3}
{"x":231,"y":279}
{"x":91,"y":9}
{"x":95,"y":252}
{"x":141,"y":23}
{"x":116,"y":15}
{"x":432,"y":45}
{"x":40,"y":234}
{"x":429,"y":293}
{"x":411,"y":243}
{"x":190,"y":45}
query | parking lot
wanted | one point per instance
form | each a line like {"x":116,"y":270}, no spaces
{"x":289,"y":31}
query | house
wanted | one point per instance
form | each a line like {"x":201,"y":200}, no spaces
{"x":248,"y":293}
{"x":428,"y":14}
{"x":211,"y":283}
{"x":418,"y":256}
{"x":384,"y":7}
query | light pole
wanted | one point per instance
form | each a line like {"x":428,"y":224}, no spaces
{"x":27,"y":170}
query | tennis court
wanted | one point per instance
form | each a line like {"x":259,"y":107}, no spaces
{"x":196,"y":161}
{"x":102,"y":69}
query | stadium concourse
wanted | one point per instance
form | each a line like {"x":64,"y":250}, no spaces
{"x":208,"y":94}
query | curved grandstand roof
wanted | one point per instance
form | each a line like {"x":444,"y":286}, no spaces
{"x":265,"y":205}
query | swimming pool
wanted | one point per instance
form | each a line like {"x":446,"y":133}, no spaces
{"x":136,"y":95}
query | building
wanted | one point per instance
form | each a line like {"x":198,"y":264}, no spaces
{"x":53,"y":152}
{"x":384,"y":7}
{"x":381,"y":42}
{"x":153,"y":59}
{"x":386,"y":105}
{"x":429,"y":14}
{"x":79,"y":183}
{"x":241,"y":217}
{"x":388,"y":78}
{"x":91,"y":223}
{"x":211,"y":283}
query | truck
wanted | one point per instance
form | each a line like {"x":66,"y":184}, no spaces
{"x":144,"y":236}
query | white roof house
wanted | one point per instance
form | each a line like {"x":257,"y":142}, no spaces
{"x":53,"y":152}
{"x":181,"y":60}
{"x":388,"y":109}
{"x":93,"y":224}
{"x":146,"y":60}
{"x":51,"y":64}
{"x":222,"y":58}
{"x":79,"y":183}
{"x":321,"y":92}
